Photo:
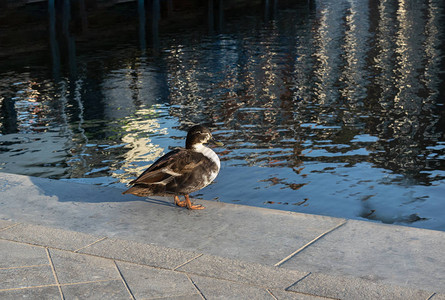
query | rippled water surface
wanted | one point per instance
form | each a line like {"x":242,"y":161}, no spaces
{"x":325,"y":107}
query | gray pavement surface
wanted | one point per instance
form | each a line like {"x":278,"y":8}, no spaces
{"x":63,"y":240}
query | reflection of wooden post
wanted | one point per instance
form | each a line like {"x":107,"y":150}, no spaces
{"x":83,"y":16}
{"x":215,"y":15}
{"x":270,"y":9}
{"x":221,"y":15}
{"x":169,"y":7}
{"x":156,"y":15}
{"x":54,"y":47}
{"x":69,"y":39}
{"x":210,"y":16}
{"x":266,"y":10}
{"x":66,"y":17}
{"x":142,"y":24}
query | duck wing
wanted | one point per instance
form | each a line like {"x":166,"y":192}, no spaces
{"x":174,"y":164}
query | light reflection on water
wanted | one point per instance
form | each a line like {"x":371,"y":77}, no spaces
{"x":335,"y":109}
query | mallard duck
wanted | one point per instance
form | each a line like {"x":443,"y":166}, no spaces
{"x":181,"y":171}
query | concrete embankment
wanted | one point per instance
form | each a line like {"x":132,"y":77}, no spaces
{"x":64,"y":240}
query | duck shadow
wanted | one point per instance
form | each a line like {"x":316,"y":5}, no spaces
{"x":66,"y":191}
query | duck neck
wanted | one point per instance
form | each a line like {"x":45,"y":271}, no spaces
{"x":207,"y":152}
{"x":189,"y":144}
{"x":197,"y":147}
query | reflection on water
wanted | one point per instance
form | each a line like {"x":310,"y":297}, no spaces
{"x":325,"y":107}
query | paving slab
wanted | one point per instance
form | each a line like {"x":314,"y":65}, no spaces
{"x":240,"y":271}
{"x":15,"y":255}
{"x":341,"y":287}
{"x":48,"y":237}
{"x":212,"y":288}
{"x":41,"y":293}
{"x":380,"y":253}
{"x":17,"y":278}
{"x":73,"y":267}
{"x":110,"y":290}
{"x":145,"y":254}
{"x":148,"y":282}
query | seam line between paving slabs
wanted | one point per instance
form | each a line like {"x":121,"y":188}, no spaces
{"x":309,"y":244}
{"x":431,"y":296}
{"x":299,"y":280}
{"x":270,"y":293}
{"x":29,"y":244}
{"x":190,"y":260}
{"x":24,"y":267}
{"x":28,"y":287}
{"x":9,"y":227}
{"x":53,"y":284}
{"x":124,"y":282}
{"x":196,"y":287}
{"x":33,"y":244}
{"x":54,"y":273}
{"x":91,"y":244}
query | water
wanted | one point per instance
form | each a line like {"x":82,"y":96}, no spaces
{"x":325,"y":107}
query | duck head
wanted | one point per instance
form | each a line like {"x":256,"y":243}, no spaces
{"x":198,"y":135}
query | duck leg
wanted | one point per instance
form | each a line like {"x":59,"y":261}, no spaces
{"x":180,"y":203}
{"x":189,"y":203}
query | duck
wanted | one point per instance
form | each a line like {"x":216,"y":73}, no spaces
{"x":181,"y":171}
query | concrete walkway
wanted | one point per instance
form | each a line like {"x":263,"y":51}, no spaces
{"x":61,"y":240}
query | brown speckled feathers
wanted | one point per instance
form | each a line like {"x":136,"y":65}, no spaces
{"x":177,"y":172}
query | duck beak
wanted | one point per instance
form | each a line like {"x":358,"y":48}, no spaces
{"x":217,"y":143}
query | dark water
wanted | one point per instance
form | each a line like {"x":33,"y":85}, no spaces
{"x":327,"y":107}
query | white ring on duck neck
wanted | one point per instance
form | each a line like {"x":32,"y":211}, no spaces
{"x":207,"y":152}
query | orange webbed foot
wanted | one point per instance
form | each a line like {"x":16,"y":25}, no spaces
{"x":197,"y":206}
{"x":189,"y":204}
